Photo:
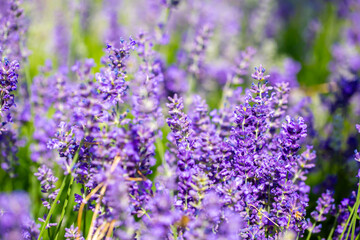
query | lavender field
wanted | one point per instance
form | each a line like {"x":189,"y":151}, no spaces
{"x":179,"y":119}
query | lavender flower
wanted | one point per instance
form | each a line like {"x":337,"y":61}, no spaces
{"x":291,"y":69}
{"x":12,"y":29}
{"x":292,"y":131}
{"x":62,"y":39}
{"x":47,"y":181}
{"x":199,"y":49}
{"x":259,"y":74}
{"x":9,"y":80}
{"x":242,"y":65}
{"x":324,"y":206}
{"x":111,"y":80}
{"x":180,"y":126}
{"x":8,"y":146}
{"x":15,"y":220}
{"x":161,"y":217}
{"x":72,"y":233}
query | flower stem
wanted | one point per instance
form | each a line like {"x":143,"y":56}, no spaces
{"x":352,"y":214}
{"x":333,"y":227}
{"x":63,"y":185}
{"x":52,"y":209}
{"x":64,"y":207}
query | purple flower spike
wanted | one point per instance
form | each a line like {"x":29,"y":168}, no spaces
{"x":72,"y":233}
{"x":259,"y":74}
{"x":324,"y":205}
{"x":8,"y":83}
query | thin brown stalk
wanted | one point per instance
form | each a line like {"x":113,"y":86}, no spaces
{"x":84,"y":202}
{"x":96,"y":211}
{"x":111,"y":228}
{"x":264,"y":215}
{"x":102,"y":233}
{"x":102,"y":227}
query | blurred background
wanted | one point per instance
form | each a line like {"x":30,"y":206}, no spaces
{"x":314,"y":45}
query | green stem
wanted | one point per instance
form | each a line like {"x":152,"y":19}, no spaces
{"x":161,"y":151}
{"x":313,"y":227}
{"x":310,"y":232}
{"x":353,"y":222}
{"x":53,"y":207}
{"x":357,"y":237}
{"x":174,"y":230}
{"x":347,"y":222}
{"x":353,"y":227}
{"x":333,"y":227}
{"x":64,"y":208}
{"x":49,"y":234}
{"x":356,"y":206}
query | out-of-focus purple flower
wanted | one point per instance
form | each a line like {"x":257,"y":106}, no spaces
{"x":8,"y":146}
{"x":324,"y":206}
{"x":242,"y":65}
{"x":62,"y":38}
{"x":114,"y":29}
{"x":12,"y":30}
{"x":344,"y":213}
{"x":198,"y":51}
{"x":279,"y":102}
{"x":15,"y":220}
{"x":161,"y":216}
{"x":73,"y":233}
{"x":117,"y":203}
{"x":290,"y":69}
{"x":175,"y":81}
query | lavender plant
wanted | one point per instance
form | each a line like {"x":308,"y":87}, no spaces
{"x":168,"y":134}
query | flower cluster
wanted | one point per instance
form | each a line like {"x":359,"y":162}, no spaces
{"x":168,"y":134}
{"x":9,"y":80}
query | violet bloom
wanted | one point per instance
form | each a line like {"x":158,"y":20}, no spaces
{"x":256,"y":172}
{"x":111,"y":80}
{"x":114,"y":30}
{"x":292,"y":132}
{"x":62,"y":38}
{"x":180,"y":124}
{"x":259,"y":74}
{"x":290,"y":69}
{"x":242,"y":64}
{"x":213,"y":222}
{"x":12,"y":30}
{"x":279,"y":104}
{"x":15,"y":220}
{"x":8,"y":83}
{"x":117,"y":205}
{"x":198,"y":51}
{"x":47,"y":181}
{"x":73,"y":233}
{"x":8,"y":146}
{"x":344,"y":213}
{"x":324,"y":206}
{"x":175,"y":81}
{"x":148,"y":119}
{"x":161,"y":217}
{"x":208,"y":152}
